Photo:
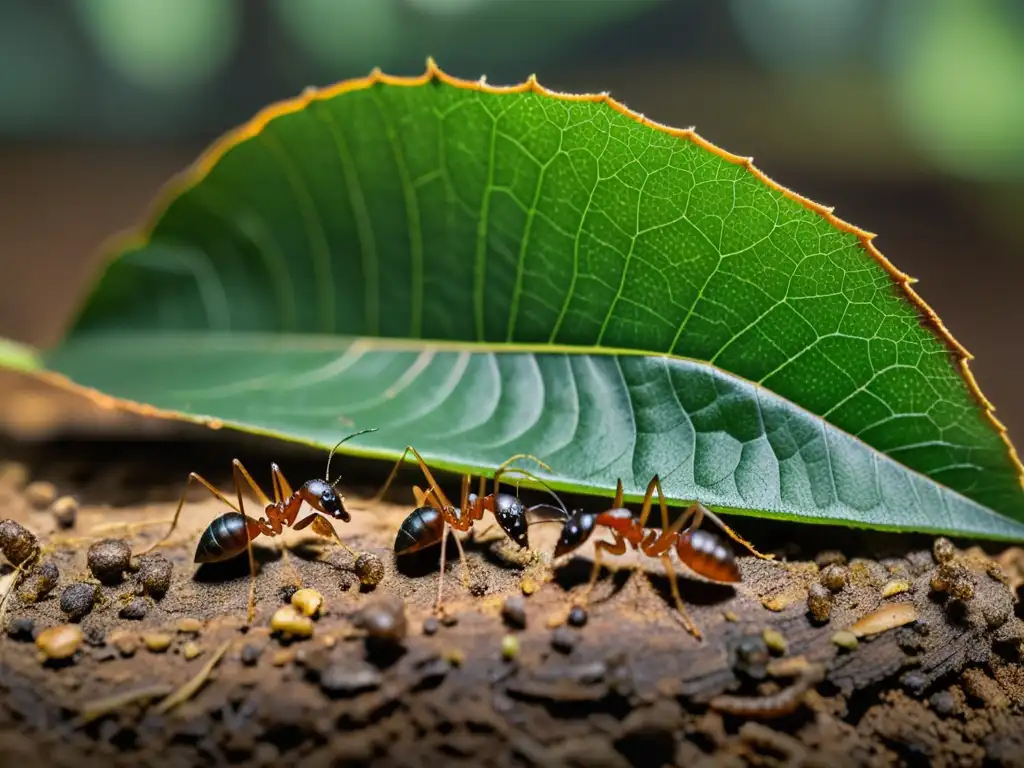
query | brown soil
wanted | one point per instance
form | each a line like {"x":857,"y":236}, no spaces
{"x":946,"y":690}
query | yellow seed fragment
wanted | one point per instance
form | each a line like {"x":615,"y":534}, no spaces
{"x":886,"y":617}
{"x":846,"y":640}
{"x":730,"y":616}
{"x":509,"y":647}
{"x":190,"y":650}
{"x":775,"y":641}
{"x":157,"y":642}
{"x":291,"y":623}
{"x":895,"y":587}
{"x":776,"y":603}
{"x":528,"y":586}
{"x":455,"y":657}
{"x":190,"y":626}
{"x":308,"y":602}
{"x":60,"y":642}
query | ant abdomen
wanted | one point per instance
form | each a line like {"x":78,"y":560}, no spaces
{"x":421,"y":529}
{"x":707,"y":555}
{"x":224,"y":538}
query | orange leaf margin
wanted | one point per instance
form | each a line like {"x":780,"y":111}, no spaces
{"x":195,"y":173}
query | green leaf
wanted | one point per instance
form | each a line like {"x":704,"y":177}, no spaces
{"x":18,"y":356}
{"x":430,"y":208}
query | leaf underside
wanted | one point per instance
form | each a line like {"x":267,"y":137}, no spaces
{"x":432,"y":209}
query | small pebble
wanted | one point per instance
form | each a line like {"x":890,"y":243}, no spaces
{"x":943,"y":550}
{"x":77,"y":600}
{"x":954,"y":578}
{"x":41,"y":583}
{"x":282,"y":657}
{"x":21,"y":629}
{"x":308,"y":602}
{"x":775,"y":603}
{"x":190,"y":650}
{"x":455,"y":657}
{"x":846,"y":640}
{"x":370,"y":569}
{"x":819,"y":602}
{"x":383,"y":620}
{"x":59,"y":642}
{"x":13,"y":475}
{"x":835,"y":577}
{"x":528,"y":586}
{"x":996,"y":614}
{"x":830,"y":557}
{"x":136,"y":610}
{"x":125,"y":642}
{"x":341,"y":679}
{"x":896,"y":587}
{"x":563,"y":639}
{"x":40,"y":494}
{"x":17,"y":542}
{"x":157,"y":642}
{"x":449,"y":619}
{"x":108,"y":559}
{"x":250,"y":654}
{"x":65,"y":511}
{"x":190,"y":626}
{"x":944,"y":703}
{"x":514,"y":611}
{"x":478,"y":583}
{"x":915,"y":682}
{"x":287,"y":591}
{"x":775,"y":641}
{"x":577,"y":616}
{"x":430,"y":626}
{"x":154,"y":575}
{"x":509,"y":647}
{"x":289,"y":623}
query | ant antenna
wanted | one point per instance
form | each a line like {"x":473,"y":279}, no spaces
{"x":527,"y":473}
{"x":327,"y":473}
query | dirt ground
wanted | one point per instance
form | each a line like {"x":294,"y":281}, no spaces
{"x":941,"y":685}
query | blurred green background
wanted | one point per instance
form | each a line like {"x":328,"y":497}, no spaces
{"x":906,"y":115}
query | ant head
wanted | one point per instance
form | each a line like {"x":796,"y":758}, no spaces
{"x":321,"y":495}
{"x":511,"y":516}
{"x":575,"y":532}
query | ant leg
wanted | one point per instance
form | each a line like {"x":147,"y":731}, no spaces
{"x":507,"y":463}
{"x":181,"y":503}
{"x":282,"y":489}
{"x":680,"y":606}
{"x":440,"y":575}
{"x":702,"y":511}
{"x":322,"y":527}
{"x":617,"y":502}
{"x":618,"y":547}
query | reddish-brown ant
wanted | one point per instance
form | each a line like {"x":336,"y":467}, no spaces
{"x":231,"y":533}
{"x":702,"y":551}
{"x":428,"y":524}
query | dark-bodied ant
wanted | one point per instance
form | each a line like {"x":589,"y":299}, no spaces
{"x":231,"y":533}
{"x":428,"y":524}
{"x":702,"y":551}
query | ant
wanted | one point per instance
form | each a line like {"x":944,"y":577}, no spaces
{"x":231,"y":533}
{"x":702,"y":551}
{"x":428,"y":524}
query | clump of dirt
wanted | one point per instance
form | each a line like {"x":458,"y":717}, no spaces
{"x":162,"y":667}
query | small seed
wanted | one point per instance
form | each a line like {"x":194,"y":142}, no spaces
{"x":430,"y":625}
{"x":40,"y":494}
{"x":60,"y":642}
{"x":577,"y":616}
{"x":528,"y":586}
{"x":250,"y":654}
{"x":846,"y":640}
{"x":290,"y":623}
{"x":776,"y":603}
{"x":819,"y":602}
{"x":887,"y":617}
{"x":136,"y":610}
{"x":730,"y":616}
{"x":21,"y":629}
{"x":509,"y":647}
{"x":835,"y":577}
{"x":190,"y":650}
{"x":514,"y":611}
{"x":77,"y":600}
{"x":282,"y":657}
{"x":157,"y":642}
{"x":775,"y":641}
{"x":17,"y":543}
{"x":943,"y":550}
{"x":308,"y":602}
{"x":125,"y":642}
{"x":41,"y":583}
{"x":155,"y":572}
{"x":190,"y":626}
{"x":370,"y":569}
{"x":896,"y":587}
{"x":65,"y":511}
{"x":108,"y":560}
{"x":455,"y":657}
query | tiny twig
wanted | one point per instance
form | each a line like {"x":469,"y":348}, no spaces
{"x":189,"y":689}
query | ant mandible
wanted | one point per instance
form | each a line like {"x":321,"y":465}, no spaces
{"x":428,"y":524}
{"x":702,"y":551}
{"x":232,"y":532}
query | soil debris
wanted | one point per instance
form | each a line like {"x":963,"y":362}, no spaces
{"x":78,"y":599}
{"x":108,"y":559}
{"x":383,"y":620}
{"x":835,"y":577}
{"x":819,"y":602}
{"x":513,"y":611}
{"x":154,"y":575}
{"x":40,"y":583}
{"x":17,"y":543}
{"x":136,"y":610}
